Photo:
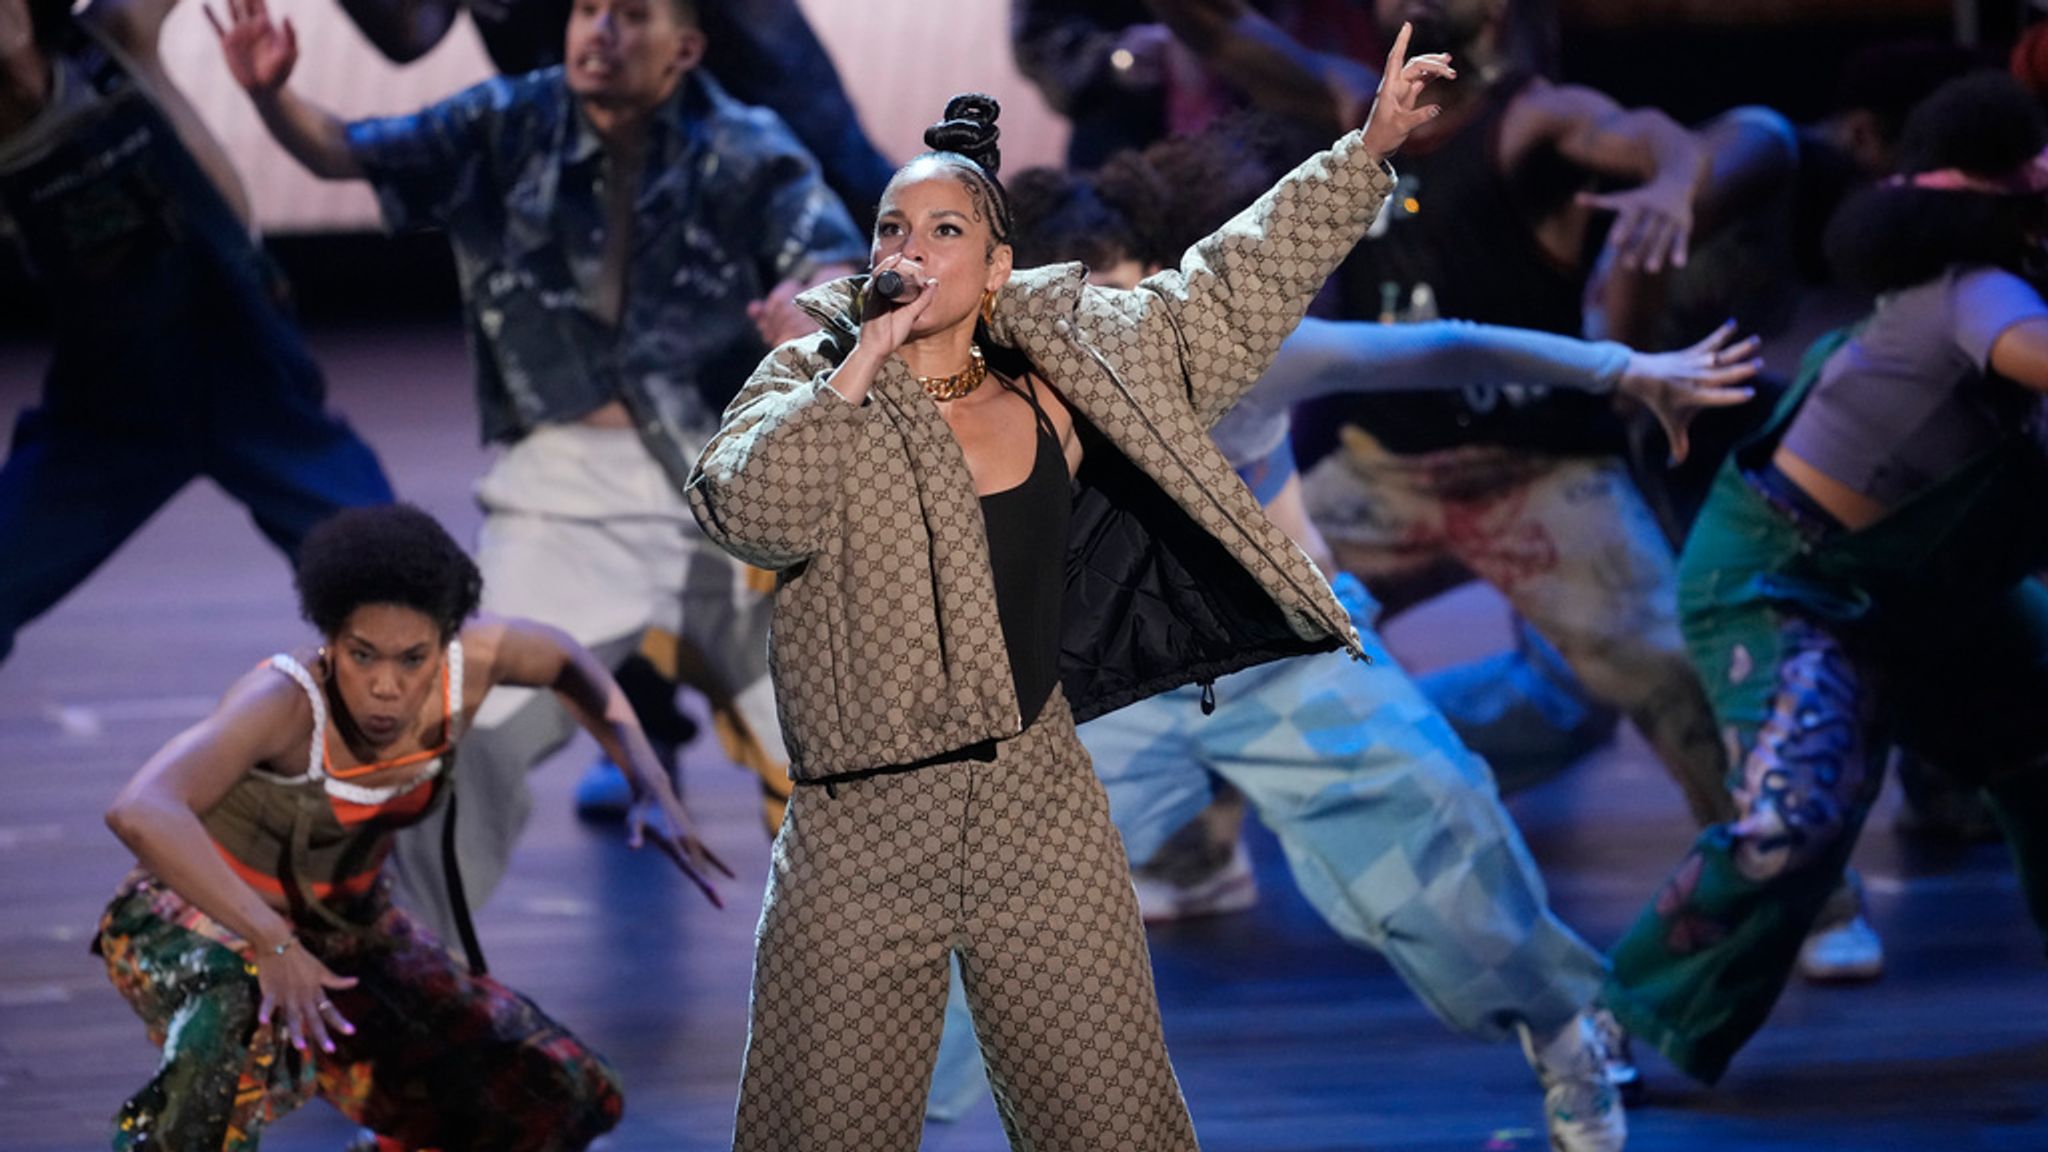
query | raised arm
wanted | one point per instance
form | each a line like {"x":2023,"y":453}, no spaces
{"x":528,"y":654}
{"x":1239,"y":291}
{"x":260,"y":56}
{"x":801,"y":231}
{"x":264,"y":719}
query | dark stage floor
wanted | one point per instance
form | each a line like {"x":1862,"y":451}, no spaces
{"x":1286,"y":1039}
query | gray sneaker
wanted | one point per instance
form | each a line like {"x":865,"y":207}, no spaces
{"x":1580,"y":1106}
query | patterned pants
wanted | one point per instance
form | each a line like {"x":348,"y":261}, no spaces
{"x":1811,"y":681}
{"x":1013,"y":866}
{"x":438,"y":1060}
{"x":1569,"y":543}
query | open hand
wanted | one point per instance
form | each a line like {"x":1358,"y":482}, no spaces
{"x":1652,"y":224}
{"x":1677,"y":386}
{"x":777,"y":318}
{"x":294,"y":988}
{"x":260,"y":54}
{"x":1397,"y":109}
{"x":661,"y":812}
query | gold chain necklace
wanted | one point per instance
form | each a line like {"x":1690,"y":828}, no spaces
{"x":959,"y":383}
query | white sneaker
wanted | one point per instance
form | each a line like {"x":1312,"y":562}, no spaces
{"x":1231,"y":888}
{"x":1843,"y":952}
{"x":1580,"y":1106}
{"x":1842,"y":947}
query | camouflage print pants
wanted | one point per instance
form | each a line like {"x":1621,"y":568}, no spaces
{"x":1010,"y":864}
{"x":440,"y":1059}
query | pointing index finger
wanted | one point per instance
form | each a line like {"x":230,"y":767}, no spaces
{"x":1398,"y":54}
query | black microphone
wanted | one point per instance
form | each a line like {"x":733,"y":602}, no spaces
{"x":890,"y":285}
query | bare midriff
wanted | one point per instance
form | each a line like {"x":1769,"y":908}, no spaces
{"x":1852,"y":508}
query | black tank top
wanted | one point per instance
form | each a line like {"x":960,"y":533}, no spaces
{"x":1027,"y":549}
{"x":1460,"y":225}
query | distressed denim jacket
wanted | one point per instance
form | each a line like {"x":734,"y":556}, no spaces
{"x":729,"y":205}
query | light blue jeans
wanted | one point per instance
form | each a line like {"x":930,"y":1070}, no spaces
{"x":1393,"y":830}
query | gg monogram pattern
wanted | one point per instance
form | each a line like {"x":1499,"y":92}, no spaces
{"x":1014,"y":866}
{"x":886,"y":647}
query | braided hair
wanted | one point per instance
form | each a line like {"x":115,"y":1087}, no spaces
{"x":965,"y":140}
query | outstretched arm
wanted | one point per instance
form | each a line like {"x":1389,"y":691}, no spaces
{"x":261,"y":55}
{"x":1230,"y":282}
{"x":1328,"y":357}
{"x":529,"y":654}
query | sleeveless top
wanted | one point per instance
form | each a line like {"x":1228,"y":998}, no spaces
{"x":319,"y":836}
{"x":1464,"y":229}
{"x":1027,"y":549}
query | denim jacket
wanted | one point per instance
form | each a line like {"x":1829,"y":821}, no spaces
{"x":730,"y":204}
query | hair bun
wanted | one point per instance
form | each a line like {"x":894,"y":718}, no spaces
{"x":969,"y":129}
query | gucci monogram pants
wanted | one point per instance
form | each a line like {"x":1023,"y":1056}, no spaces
{"x":1013,"y":865}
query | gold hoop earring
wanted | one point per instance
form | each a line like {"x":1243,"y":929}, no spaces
{"x":988,"y":308}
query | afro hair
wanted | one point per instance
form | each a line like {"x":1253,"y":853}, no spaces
{"x":385,"y":554}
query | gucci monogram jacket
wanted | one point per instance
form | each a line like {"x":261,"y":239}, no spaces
{"x":886,"y":648}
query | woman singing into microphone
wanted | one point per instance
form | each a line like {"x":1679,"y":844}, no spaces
{"x":993,"y":511}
